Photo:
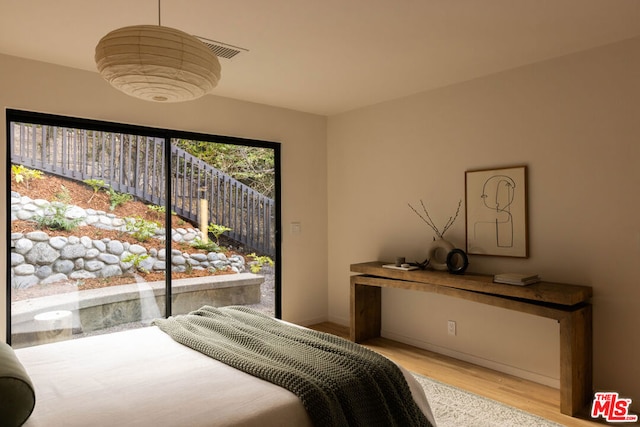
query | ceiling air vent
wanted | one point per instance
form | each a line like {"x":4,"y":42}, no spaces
{"x":222,"y":50}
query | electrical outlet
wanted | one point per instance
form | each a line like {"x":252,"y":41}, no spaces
{"x":451,"y":327}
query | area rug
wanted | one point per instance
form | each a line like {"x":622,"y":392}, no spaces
{"x":454,"y":407}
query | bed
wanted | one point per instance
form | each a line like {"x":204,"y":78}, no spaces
{"x":144,"y":377}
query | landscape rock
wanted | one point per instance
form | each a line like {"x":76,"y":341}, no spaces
{"x":41,"y":253}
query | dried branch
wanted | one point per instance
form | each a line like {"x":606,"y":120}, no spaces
{"x":430,"y":222}
{"x":452,"y":220}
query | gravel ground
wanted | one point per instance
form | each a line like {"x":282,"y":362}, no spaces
{"x":267,"y":289}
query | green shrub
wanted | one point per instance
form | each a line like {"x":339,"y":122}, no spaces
{"x":58,"y":219}
{"x":217,"y":231}
{"x":257,"y":262}
{"x":140,"y":228}
{"x":63,"y":195}
{"x":136,"y":259}
{"x":117,"y":199}
{"x":208,"y":246}
{"x":24,"y":174}
{"x":188,"y":268}
{"x":96,"y":185}
{"x":158,"y":210}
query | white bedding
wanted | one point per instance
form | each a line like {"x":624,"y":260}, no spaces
{"x":142,"y":377}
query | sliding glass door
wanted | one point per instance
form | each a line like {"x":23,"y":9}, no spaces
{"x":96,"y":246}
{"x":226,"y":194}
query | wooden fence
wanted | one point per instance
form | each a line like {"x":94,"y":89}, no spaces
{"x":135,"y":164}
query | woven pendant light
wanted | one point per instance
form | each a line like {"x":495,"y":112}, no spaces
{"x":157,"y":63}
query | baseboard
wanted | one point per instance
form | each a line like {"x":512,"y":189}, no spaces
{"x":496,"y":366}
{"x":308,"y":322}
{"x":339,"y":321}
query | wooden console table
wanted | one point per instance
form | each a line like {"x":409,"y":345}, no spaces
{"x":568,"y":304}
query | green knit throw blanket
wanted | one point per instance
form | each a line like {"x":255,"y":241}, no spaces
{"x":340,"y":383}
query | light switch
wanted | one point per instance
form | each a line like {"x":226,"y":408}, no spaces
{"x":296,"y":228}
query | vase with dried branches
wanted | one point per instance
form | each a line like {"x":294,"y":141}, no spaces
{"x":440,"y":247}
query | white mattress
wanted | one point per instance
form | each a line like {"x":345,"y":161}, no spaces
{"x":142,"y":377}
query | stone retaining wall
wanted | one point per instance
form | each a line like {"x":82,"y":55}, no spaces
{"x":39,"y":258}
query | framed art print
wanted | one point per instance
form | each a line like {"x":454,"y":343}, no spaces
{"x":496,"y":212}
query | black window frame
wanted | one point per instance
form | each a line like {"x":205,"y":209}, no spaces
{"x":21,"y":116}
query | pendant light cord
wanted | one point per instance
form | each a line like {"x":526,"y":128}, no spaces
{"x":159,"y":24}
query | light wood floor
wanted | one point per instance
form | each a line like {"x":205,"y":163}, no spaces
{"x":526,"y":395}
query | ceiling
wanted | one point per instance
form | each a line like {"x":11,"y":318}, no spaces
{"x":331,"y":56}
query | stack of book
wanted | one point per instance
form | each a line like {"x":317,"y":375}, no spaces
{"x":516,"y":279}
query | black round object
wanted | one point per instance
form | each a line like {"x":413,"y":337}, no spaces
{"x":457,"y":261}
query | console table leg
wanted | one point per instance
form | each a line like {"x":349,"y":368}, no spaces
{"x":365,"y":311}
{"x":576,"y":364}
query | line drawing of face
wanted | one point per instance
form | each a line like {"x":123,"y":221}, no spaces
{"x":498,"y":193}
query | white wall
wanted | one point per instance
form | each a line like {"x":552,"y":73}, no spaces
{"x":41,"y":87}
{"x":575,"y":121}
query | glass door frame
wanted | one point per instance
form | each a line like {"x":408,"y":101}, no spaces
{"x":167,"y":135}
